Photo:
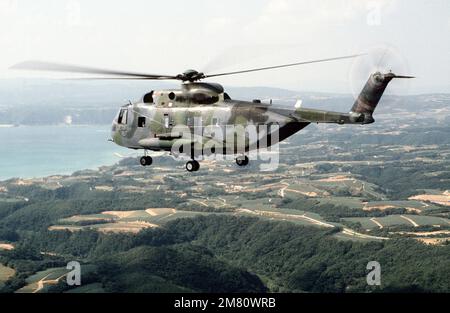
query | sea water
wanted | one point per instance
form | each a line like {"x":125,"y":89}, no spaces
{"x":37,"y":151}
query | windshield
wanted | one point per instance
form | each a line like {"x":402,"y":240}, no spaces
{"x":123,"y":116}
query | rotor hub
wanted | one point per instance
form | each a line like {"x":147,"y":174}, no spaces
{"x":191,"y":75}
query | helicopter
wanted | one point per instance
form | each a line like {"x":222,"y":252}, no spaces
{"x":201,"y":119}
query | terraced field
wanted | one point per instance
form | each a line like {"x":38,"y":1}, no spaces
{"x":6,"y":246}
{"x":37,"y":282}
{"x":122,"y":221}
{"x":325,"y":189}
{"x":434,"y":196}
{"x":295,"y":216}
{"x":410,"y":205}
{"x":350,"y":202}
{"x":396,"y":220}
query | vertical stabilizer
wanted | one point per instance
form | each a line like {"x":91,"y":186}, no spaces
{"x":371,"y":94}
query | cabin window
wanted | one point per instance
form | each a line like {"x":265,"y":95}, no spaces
{"x":141,"y":121}
{"x":198,"y":121}
{"x":166,"y":120}
{"x":202,"y":98}
{"x":123,"y":117}
{"x":215,"y":121}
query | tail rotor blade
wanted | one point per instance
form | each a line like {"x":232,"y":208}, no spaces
{"x":384,"y":59}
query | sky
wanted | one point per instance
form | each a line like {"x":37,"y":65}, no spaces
{"x":409,"y":37}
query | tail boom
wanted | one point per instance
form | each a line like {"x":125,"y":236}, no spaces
{"x":361,"y":111}
{"x":369,"y":97}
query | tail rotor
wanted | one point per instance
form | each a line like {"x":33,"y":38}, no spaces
{"x":382,"y":59}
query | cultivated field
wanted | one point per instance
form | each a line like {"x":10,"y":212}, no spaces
{"x":370,"y":223}
{"x":5,"y":274}
{"x":122,"y":221}
{"x":6,"y":246}
{"x":37,"y":282}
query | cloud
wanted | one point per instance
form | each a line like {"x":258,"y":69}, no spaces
{"x":283,"y":15}
{"x":173,"y":35}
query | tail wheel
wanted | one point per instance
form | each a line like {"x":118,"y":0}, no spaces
{"x":146,"y":161}
{"x":192,"y":166}
{"x":242,"y":161}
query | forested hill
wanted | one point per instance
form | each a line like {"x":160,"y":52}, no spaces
{"x":234,"y":254}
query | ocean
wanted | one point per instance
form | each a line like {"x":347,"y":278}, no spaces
{"x":38,"y":151}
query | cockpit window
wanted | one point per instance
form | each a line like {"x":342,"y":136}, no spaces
{"x":148,"y":98}
{"x":123,"y":117}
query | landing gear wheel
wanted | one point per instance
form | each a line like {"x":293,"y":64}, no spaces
{"x":146,"y":161}
{"x":242,"y":161}
{"x":192,"y":166}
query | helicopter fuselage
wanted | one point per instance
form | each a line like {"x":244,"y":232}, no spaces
{"x":201,"y":119}
{"x":158,"y":126}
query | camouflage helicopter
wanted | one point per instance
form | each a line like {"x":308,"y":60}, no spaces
{"x":201,"y":119}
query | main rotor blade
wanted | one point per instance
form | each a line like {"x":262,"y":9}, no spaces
{"x":120,"y":78}
{"x":68,"y":68}
{"x":284,"y":65}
